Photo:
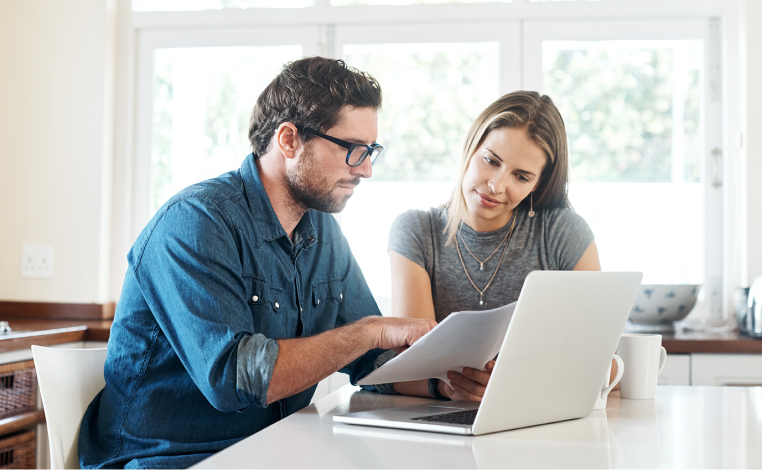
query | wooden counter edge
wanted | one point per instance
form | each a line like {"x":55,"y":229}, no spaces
{"x":56,"y":311}
{"x":22,"y":421}
{"x":44,"y":338}
{"x":710,"y":346}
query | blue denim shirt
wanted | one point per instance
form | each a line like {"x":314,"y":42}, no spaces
{"x":213,"y":282}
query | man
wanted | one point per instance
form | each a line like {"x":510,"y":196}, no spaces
{"x":242,"y":293}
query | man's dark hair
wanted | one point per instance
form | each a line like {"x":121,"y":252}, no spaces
{"x":309,"y":92}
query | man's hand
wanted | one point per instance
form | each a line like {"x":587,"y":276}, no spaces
{"x":470,"y":385}
{"x":303,"y":362}
{"x":399,"y":333}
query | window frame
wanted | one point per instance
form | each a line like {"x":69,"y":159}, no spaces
{"x":151,"y":40}
{"x":136,"y":31}
{"x":535,"y":32}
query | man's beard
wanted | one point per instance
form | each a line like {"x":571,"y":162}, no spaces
{"x":312,"y":190}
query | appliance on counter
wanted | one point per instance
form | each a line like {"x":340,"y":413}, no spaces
{"x":748,"y":305}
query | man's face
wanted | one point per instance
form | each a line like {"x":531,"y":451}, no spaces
{"x":320,"y":179}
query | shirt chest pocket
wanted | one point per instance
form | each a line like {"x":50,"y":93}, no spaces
{"x":327,"y":291}
{"x":263,"y":296}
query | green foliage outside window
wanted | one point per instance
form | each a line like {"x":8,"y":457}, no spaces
{"x":617,"y":104}
{"x":432,"y":94}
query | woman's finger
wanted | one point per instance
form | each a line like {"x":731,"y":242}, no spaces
{"x":465,"y":393}
{"x":479,"y":376}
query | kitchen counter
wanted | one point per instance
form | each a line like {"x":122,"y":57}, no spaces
{"x":45,"y":324}
{"x":688,"y":342}
{"x":684,"y":427}
{"x":47,"y":332}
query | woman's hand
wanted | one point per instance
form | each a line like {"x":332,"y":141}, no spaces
{"x":470,"y":385}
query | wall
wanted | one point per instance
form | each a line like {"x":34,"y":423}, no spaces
{"x":56,"y":145}
{"x":55,"y":136}
{"x":753,"y":137}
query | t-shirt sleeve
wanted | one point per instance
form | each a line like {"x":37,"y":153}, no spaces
{"x":410,"y":236}
{"x":568,"y":237}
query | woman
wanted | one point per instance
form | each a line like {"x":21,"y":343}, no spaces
{"x":508,"y":215}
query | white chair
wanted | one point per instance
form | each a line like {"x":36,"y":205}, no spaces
{"x":69,"y":380}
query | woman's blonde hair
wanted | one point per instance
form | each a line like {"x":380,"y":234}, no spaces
{"x":544,"y":126}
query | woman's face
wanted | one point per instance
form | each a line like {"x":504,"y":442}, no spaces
{"x":502,"y":172}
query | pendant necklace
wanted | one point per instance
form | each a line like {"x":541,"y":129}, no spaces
{"x":457,"y":245}
{"x":481,"y":263}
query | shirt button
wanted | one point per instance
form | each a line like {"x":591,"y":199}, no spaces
{"x":255,"y":298}
{"x":301,"y":309}
{"x":277,"y":305}
{"x":341,"y":296}
{"x":318,"y":301}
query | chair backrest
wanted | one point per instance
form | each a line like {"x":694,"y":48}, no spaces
{"x":69,"y":380}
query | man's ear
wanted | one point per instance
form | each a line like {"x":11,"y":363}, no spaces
{"x":288,"y":140}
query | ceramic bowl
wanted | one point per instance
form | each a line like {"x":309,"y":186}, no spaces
{"x":658,"y":306}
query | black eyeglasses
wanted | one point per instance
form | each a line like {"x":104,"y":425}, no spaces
{"x":356,"y":153}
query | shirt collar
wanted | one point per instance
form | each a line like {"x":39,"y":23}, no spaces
{"x":267,"y":225}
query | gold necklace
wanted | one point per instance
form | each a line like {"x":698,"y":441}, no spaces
{"x":482,"y":291}
{"x":481,"y":263}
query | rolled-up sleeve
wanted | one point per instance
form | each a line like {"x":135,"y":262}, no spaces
{"x":256,"y":360}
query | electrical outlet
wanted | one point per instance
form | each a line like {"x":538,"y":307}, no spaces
{"x":37,"y":261}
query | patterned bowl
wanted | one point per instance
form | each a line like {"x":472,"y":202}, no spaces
{"x":658,"y":306}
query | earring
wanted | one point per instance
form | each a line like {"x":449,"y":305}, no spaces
{"x":531,"y":210}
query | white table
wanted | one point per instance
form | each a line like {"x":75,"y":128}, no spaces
{"x":694,"y":427}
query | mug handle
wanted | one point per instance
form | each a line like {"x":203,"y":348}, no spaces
{"x":662,"y":359}
{"x":617,"y":377}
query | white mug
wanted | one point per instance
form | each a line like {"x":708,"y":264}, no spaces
{"x":644,"y":358}
{"x":600,"y":403}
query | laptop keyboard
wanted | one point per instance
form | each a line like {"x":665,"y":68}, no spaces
{"x":456,"y":417}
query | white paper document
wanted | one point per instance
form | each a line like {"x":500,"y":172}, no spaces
{"x":463,"y":339}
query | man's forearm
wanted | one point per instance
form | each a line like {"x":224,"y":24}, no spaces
{"x":303,"y":362}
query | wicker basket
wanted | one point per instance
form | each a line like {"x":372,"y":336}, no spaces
{"x":18,"y":388}
{"x":18,"y":450}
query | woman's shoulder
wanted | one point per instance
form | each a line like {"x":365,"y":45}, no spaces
{"x":560,"y":213}
{"x":564,"y":220}
{"x":417,"y":219}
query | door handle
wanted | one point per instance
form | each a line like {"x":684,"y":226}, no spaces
{"x":717,"y":168}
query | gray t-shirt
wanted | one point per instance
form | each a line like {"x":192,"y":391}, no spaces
{"x":554,"y":239}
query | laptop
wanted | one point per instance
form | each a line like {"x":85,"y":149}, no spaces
{"x":559,"y":344}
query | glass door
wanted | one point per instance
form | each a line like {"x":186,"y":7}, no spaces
{"x":436,"y":79}
{"x":196,"y":92}
{"x":643,"y":115}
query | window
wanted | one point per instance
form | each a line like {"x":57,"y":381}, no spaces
{"x":202,"y":103}
{"x":639,"y":99}
{"x":641,"y":123}
{"x":440,"y":82}
{"x":196,"y":90}
{"x":634,"y":116}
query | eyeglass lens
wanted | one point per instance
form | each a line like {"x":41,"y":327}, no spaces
{"x":361,"y":152}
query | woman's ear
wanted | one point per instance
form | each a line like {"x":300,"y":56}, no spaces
{"x":547,"y":167}
{"x":288,"y":140}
